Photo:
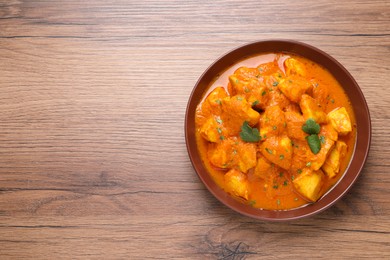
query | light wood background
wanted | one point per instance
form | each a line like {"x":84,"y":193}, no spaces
{"x":93,"y":162}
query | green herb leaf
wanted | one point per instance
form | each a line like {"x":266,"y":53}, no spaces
{"x":311,"y":127}
{"x":249,"y":134}
{"x":322,"y":139}
{"x":275,"y":83}
{"x":255,"y":102}
{"x":269,"y":150}
{"x":314,"y":143}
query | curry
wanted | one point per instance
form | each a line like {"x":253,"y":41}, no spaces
{"x":276,"y":131}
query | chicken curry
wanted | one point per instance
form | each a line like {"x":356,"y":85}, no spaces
{"x":276,"y":131}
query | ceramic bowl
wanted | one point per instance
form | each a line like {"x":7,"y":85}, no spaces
{"x":345,"y":79}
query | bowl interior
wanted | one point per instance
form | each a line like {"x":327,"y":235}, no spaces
{"x":350,"y":86}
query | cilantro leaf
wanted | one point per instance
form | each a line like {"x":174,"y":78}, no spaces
{"x":249,"y":134}
{"x":311,"y":127}
{"x":314,"y":143}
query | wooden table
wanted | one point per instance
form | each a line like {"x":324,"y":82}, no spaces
{"x":93,"y":159}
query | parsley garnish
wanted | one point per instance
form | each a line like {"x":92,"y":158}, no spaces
{"x":314,"y":143}
{"x":249,"y":134}
{"x":311,"y":127}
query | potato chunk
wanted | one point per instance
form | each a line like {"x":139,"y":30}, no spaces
{"x":294,"y":87}
{"x":237,"y":184}
{"x":332,"y":164}
{"x":278,"y":150}
{"x":339,"y":119}
{"x":232,"y":153}
{"x":311,"y":109}
{"x":309,"y":183}
{"x":294,"y":67}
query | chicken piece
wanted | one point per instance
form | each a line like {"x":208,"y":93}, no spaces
{"x":247,"y":73}
{"x":211,"y":130}
{"x":269,"y":68}
{"x":311,"y":109}
{"x":236,"y":184}
{"x":309,"y":183}
{"x":340,"y":120}
{"x":317,"y":160}
{"x":321,"y":94}
{"x":212,"y":105}
{"x":278,"y":150}
{"x":332,"y":164}
{"x":246,"y":156}
{"x":304,"y":157}
{"x":274,"y":97}
{"x":251,"y":88}
{"x":295,"y":121}
{"x":232,"y":153}
{"x":262,"y":167}
{"x":301,"y":155}
{"x":292,"y":107}
{"x":272,"y":122}
{"x":329,"y":131}
{"x":235,"y":111}
{"x":294,"y":87}
{"x":294,"y":67}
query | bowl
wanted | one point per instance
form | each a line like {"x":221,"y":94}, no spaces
{"x":363,"y":124}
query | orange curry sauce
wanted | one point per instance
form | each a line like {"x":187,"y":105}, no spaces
{"x":270,"y":185}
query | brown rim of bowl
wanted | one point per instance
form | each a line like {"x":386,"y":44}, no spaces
{"x":359,"y":104}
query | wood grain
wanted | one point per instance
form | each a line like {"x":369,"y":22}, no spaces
{"x":93,"y":162}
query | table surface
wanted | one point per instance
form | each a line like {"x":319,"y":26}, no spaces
{"x":93,"y":159}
